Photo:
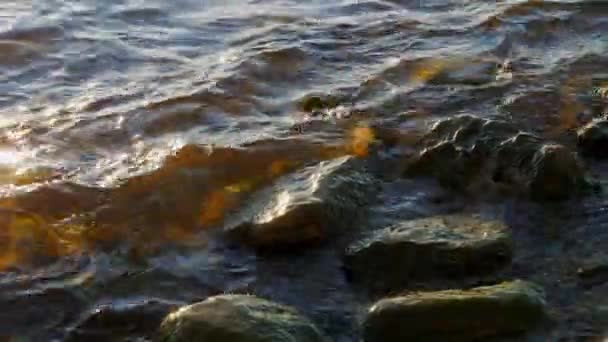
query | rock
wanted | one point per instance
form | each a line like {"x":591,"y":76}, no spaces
{"x":593,"y":139}
{"x":554,"y":173}
{"x":307,"y":206}
{"x":113,"y":321}
{"x":442,"y":246}
{"x":594,"y":271}
{"x":456,"y":315}
{"x":238,"y":318}
{"x":317,"y":102}
{"x":452,"y":166}
{"x":465,"y":152}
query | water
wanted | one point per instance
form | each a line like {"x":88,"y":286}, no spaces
{"x":128,"y":129}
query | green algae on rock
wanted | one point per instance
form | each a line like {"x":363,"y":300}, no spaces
{"x":442,"y":246}
{"x":467,"y":152}
{"x":238,"y":318}
{"x":456,"y":315}
{"x":306,"y":206}
{"x":593,"y":139}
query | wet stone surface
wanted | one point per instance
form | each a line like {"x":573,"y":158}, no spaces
{"x":468,"y":153}
{"x":594,"y":271}
{"x":593,"y":139}
{"x":238,"y":318}
{"x":309,"y":206}
{"x":451,"y":246}
{"x":456,"y":315}
{"x":121,"y":320}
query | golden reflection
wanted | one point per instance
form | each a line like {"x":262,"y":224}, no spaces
{"x":360,"y":139}
{"x":191,"y":192}
{"x":25,"y":236}
{"x":427,"y":70}
{"x":214,"y":206}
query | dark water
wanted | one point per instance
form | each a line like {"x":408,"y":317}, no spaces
{"x":128,"y":129}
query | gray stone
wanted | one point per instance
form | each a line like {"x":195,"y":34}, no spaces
{"x":442,"y":246}
{"x":238,"y":318}
{"x":456,"y":315}
{"x":307,"y":206}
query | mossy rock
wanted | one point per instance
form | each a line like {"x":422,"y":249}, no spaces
{"x":238,"y":318}
{"x":442,"y":246}
{"x":456,"y":315}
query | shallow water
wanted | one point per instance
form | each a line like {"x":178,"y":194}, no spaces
{"x":130,"y":129}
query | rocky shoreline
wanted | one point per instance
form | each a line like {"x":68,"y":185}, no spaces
{"x":445,"y":277}
{"x":476,"y":232}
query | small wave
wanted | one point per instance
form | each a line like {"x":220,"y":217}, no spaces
{"x":36,"y":35}
{"x":140,"y":15}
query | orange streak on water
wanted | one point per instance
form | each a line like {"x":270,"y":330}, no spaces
{"x":360,"y":138}
{"x":427,"y":70}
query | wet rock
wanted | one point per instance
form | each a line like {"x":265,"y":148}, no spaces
{"x":110,"y":322}
{"x":307,"y":206}
{"x":554,"y":173}
{"x":317,"y":102}
{"x":593,"y":139}
{"x":238,"y":318}
{"x":456,"y":315}
{"x":442,"y":246}
{"x":452,"y":166}
{"x":24,"y":309}
{"x":594,"y":271}
{"x":469,"y":153}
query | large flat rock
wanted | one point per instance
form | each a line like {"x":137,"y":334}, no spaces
{"x":456,"y":315}
{"x":442,"y":246}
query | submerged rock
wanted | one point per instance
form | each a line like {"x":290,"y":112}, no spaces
{"x":594,"y":271}
{"x":593,"y":139}
{"x":443,"y":246}
{"x":466,"y":152}
{"x":307,"y":206}
{"x":554,"y":173}
{"x":456,"y":315}
{"x":238,"y":318}
{"x":114,"y":321}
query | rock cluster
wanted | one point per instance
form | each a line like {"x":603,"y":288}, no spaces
{"x":467,"y":153}
{"x":328,"y":201}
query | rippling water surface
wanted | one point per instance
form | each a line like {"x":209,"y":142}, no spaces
{"x":129,"y":129}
